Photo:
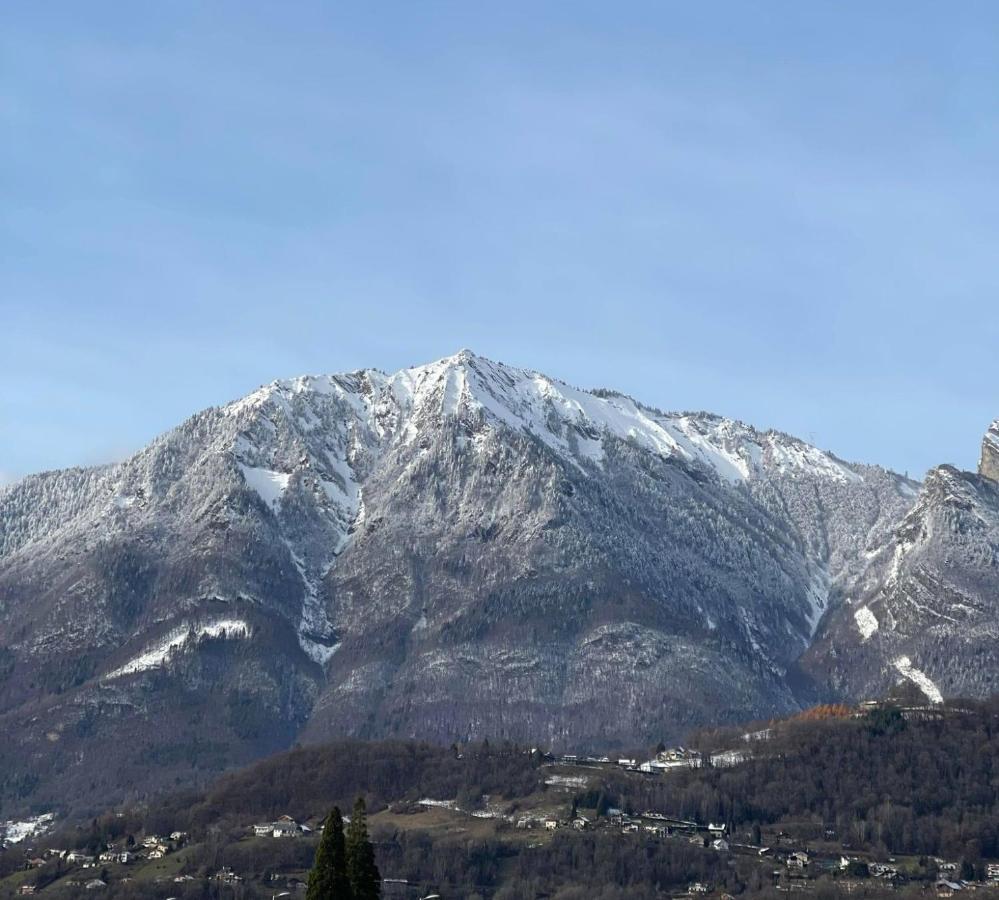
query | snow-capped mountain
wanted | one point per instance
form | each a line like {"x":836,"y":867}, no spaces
{"x":460,"y":549}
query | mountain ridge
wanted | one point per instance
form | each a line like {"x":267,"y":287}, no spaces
{"x":456,"y":550}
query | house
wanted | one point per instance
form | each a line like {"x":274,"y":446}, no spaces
{"x":717,"y":830}
{"x":95,"y":885}
{"x":992,"y":871}
{"x":630,"y":828}
{"x":157,"y":853}
{"x":178,"y":835}
{"x":151,"y":841}
{"x":227,"y":876}
{"x":551,"y":824}
{"x":797,"y":860}
{"x":76,"y":856}
{"x":627,"y":763}
{"x":720,"y":845}
{"x":947,"y":888}
{"x":25,"y":889}
{"x":285,"y":826}
{"x":673,"y":759}
{"x":699,"y":888}
{"x":581,"y":823}
{"x":880,"y":870}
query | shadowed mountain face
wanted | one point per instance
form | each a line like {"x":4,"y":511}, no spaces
{"x":459,"y":550}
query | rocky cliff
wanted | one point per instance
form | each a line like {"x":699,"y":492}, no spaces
{"x":988,"y":467}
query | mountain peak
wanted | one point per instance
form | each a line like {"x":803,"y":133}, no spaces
{"x":989,"y":464}
{"x":464,"y":355}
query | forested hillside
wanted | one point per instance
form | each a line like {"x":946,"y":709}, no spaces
{"x":889,"y":798}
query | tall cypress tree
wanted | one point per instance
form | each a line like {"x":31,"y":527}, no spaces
{"x":328,"y":879}
{"x":365,"y":879}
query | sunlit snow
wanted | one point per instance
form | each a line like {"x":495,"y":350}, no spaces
{"x":156,"y":656}
{"x":919,"y":678}
{"x":866,"y":621}
{"x":13,"y":832}
{"x":269,"y":485}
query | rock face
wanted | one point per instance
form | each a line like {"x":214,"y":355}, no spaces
{"x":459,"y":550}
{"x":989,"y":465}
{"x":927,"y":607}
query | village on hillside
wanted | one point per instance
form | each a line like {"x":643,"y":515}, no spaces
{"x":792,"y":861}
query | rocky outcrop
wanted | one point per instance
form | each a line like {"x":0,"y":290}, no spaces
{"x":989,"y":464}
{"x":926,"y":609}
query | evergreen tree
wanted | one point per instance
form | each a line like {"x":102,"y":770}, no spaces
{"x":328,"y":879}
{"x":365,"y":879}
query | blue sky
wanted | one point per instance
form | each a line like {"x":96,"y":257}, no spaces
{"x":783,"y":212}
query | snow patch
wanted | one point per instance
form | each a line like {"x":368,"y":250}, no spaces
{"x":13,"y":832}
{"x":156,"y":656}
{"x":902,"y":549}
{"x":818,"y":599}
{"x":313,"y":621}
{"x":269,"y":485}
{"x":918,"y":678}
{"x":318,"y":653}
{"x":867,"y":622}
{"x":788,"y":454}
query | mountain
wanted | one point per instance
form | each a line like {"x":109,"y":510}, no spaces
{"x":459,"y":550}
{"x":927,"y":606}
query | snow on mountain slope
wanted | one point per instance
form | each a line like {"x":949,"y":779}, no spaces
{"x":304,"y":446}
{"x":573,"y":422}
{"x":458,"y":549}
{"x":926,"y":606}
{"x":156,"y":656}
